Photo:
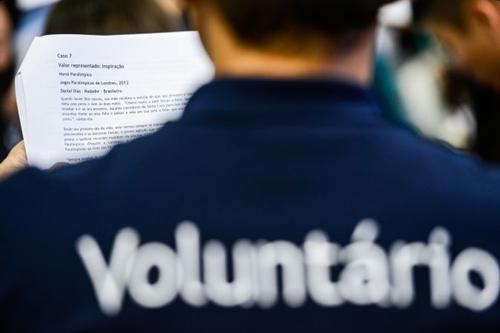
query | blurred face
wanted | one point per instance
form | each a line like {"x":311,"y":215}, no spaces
{"x":5,"y":39}
{"x":475,"y":51}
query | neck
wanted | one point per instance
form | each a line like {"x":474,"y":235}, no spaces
{"x":276,"y":67}
{"x":354,"y":65}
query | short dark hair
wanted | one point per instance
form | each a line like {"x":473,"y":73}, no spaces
{"x":109,"y":17}
{"x":261,"y":21}
{"x":451,"y":12}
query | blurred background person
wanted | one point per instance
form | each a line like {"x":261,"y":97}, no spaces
{"x":408,"y":79}
{"x":112,"y":17}
{"x":445,"y":93}
{"x":34,"y":17}
{"x":469,"y":32}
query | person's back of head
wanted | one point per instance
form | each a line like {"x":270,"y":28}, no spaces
{"x":109,"y":17}
{"x":266,"y":22}
{"x":316,"y":30}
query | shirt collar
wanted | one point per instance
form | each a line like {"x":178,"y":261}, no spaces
{"x":279,"y":101}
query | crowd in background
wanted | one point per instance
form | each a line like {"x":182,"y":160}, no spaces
{"x":414,"y":83}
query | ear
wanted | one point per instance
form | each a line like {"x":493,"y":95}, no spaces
{"x":486,"y":13}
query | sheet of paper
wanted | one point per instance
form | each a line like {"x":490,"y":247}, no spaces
{"x":79,"y":96}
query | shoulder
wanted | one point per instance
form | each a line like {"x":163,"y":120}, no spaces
{"x":433,"y":154}
{"x":457,"y":182}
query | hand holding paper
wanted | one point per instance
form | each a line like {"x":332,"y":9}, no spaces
{"x":15,"y":162}
{"x":79,"y":96}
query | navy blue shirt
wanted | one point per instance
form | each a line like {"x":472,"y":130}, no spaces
{"x":287,"y":206}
